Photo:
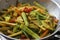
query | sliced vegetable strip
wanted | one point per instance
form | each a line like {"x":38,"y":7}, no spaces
{"x":15,"y":34}
{"x":46,"y":25}
{"x":30,"y":32}
{"x":25,"y":33}
{"x":7,"y":23}
{"x":38,"y":5}
{"x":39,"y":25}
{"x":44,"y":34}
{"x":25,"y":18}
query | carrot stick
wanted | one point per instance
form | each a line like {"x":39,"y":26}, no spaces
{"x":44,"y":34}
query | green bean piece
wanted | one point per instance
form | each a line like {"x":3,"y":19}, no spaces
{"x":10,"y":32}
{"x":42,"y":17}
{"x":25,"y":33}
{"x":46,"y":25}
{"x":15,"y":34}
{"x":25,"y":18}
{"x":38,"y":5}
{"x":39,"y":25}
{"x":7,"y":18}
{"x":30,"y":32}
{"x":31,"y":25}
{"x":38,"y":20}
{"x":13,"y":24}
{"x":33,"y":13}
{"x":34,"y":22}
{"x":15,"y":28}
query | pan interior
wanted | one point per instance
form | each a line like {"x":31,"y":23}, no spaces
{"x":51,"y":7}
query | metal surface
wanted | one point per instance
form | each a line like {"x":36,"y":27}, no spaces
{"x":52,"y":7}
{"x":2,"y":38}
{"x":58,"y":36}
{"x":5,"y":3}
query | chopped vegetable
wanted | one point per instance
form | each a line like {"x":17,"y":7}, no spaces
{"x":37,"y":4}
{"x":10,"y":32}
{"x":46,"y":25}
{"x":41,"y":16}
{"x":7,"y":23}
{"x":25,"y":19}
{"x":33,"y":26}
{"x":34,"y":13}
{"x":25,"y":34}
{"x":19,"y":19}
{"x":15,"y":34}
{"x":39,"y":25}
{"x":7,"y":18}
{"x":15,"y":28}
{"x":44,"y":34}
{"x":30,"y":32}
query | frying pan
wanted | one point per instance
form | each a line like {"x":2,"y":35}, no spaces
{"x":52,"y":7}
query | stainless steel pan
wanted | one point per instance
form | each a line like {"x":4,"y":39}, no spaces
{"x":52,"y":7}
